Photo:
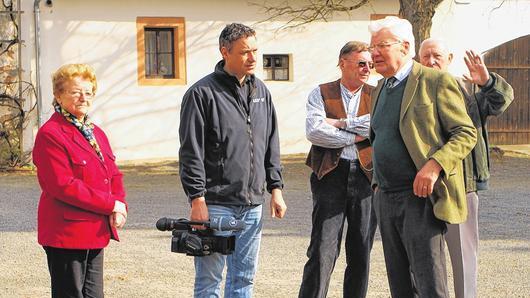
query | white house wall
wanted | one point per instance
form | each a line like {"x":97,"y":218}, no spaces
{"x":142,"y":121}
{"x":480,"y":25}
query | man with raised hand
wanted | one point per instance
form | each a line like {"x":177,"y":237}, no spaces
{"x":486,"y":94}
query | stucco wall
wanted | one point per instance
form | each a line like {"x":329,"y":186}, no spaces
{"x":142,"y":121}
{"x":479,"y":25}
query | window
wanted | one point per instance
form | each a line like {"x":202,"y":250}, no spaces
{"x":161,"y":51}
{"x":276,"y":67}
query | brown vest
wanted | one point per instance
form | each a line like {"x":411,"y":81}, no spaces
{"x":324,"y":160}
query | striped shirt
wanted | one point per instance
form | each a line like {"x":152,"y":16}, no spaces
{"x":320,"y":133}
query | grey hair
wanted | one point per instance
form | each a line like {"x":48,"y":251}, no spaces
{"x":442,"y":44}
{"x":233,"y":32}
{"x":352,"y":46}
{"x":400,"y":28}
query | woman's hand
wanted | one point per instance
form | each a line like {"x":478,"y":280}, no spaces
{"x":119,"y":215}
{"x":117,"y":220}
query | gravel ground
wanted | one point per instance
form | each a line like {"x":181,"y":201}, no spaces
{"x":141,"y":265}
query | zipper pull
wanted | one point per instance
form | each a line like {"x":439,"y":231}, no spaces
{"x":248,"y":119}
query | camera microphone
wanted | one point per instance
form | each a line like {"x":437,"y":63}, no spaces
{"x":168,"y":224}
{"x":220,"y":223}
{"x":226,"y":223}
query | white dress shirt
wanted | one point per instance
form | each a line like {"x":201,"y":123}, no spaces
{"x":320,"y":133}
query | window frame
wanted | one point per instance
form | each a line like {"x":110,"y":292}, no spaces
{"x":157,"y":52}
{"x":288,"y":67}
{"x":179,"y":49}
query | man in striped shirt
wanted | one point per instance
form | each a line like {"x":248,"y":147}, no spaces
{"x":337,"y":125}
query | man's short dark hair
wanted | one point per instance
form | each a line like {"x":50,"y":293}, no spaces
{"x":233,"y":32}
{"x":351,"y":47}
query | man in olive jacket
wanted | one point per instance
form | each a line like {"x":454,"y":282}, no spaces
{"x":420,"y":133}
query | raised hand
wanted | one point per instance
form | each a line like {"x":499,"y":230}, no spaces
{"x":478,"y":72}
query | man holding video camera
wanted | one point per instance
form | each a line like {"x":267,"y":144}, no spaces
{"x":229,"y":152}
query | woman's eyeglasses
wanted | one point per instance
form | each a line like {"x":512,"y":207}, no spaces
{"x":79,"y":93}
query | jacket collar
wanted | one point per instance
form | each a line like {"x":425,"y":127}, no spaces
{"x":410,"y":89}
{"x":230,"y":79}
{"x":73,"y":133}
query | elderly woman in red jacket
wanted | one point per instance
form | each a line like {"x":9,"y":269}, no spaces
{"x":83,"y":200}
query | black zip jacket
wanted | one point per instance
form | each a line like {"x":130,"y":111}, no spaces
{"x":229,"y":150}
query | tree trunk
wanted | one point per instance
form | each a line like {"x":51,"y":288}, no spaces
{"x":420,"y":14}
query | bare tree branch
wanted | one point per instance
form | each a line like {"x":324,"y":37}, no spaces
{"x":498,"y":6}
{"x":418,"y":12}
{"x":13,"y":95}
{"x":314,"y":10}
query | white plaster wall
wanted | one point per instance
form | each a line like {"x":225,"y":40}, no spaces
{"x":479,"y":25}
{"x":142,"y":121}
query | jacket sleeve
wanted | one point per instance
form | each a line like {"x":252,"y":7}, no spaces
{"x":375,"y":179}
{"x":494,"y":100}
{"x":317,"y":131}
{"x":191,"y":153}
{"x":456,"y":125}
{"x":56,"y":177}
{"x":373,"y":100}
{"x":273,"y":168}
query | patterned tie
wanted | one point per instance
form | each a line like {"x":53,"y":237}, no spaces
{"x":390,"y":82}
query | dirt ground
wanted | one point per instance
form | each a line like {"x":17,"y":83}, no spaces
{"x":141,"y":265}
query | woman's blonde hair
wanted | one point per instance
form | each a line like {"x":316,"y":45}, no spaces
{"x":69,"y":71}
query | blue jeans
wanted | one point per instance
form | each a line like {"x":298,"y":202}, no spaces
{"x":241,"y":265}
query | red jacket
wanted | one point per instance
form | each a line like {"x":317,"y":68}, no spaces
{"x":78,"y":189}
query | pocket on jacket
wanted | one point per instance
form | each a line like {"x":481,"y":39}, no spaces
{"x":218,"y":152}
{"x":425,"y":112}
{"x":426,"y":123}
{"x":111,"y":163}
{"x":423,"y":107}
{"x":79,"y":215}
{"x":79,"y":167}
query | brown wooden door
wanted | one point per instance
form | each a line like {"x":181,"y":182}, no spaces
{"x":511,"y":60}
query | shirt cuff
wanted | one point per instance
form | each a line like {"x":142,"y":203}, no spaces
{"x":488,"y":84}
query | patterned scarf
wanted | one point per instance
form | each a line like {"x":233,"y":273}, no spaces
{"x":86,"y":128}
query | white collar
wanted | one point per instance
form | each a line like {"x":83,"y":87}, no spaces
{"x":403,"y":72}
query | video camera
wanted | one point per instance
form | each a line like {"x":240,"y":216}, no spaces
{"x":201,"y":242}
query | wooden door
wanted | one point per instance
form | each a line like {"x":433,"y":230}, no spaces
{"x":511,"y":60}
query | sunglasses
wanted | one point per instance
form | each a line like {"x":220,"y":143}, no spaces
{"x":363,"y":64}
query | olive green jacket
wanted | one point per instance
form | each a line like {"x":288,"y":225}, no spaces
{"x":482,"y":102}
{"x":434,"y":125}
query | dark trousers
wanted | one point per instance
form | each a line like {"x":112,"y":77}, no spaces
{"x":75,"y":272}
{"x":344,"y":193}
{"x":413,"y":245}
